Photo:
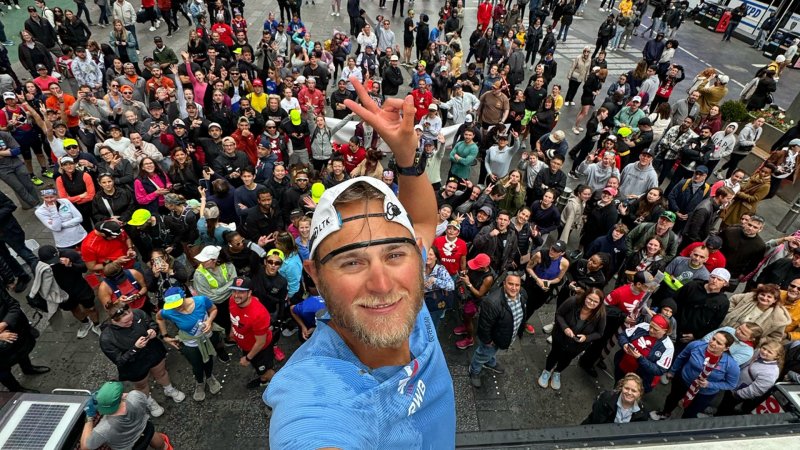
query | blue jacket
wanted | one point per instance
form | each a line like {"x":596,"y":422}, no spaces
{"x":648,"y":366}
{"x":689,"y":362}
{"x":683,"y":200}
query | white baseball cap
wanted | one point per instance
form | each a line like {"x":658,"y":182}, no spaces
{"x":208,"y":253}
{"x":326,"y":220}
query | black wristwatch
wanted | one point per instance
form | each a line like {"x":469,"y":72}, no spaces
{"x":417,"y":169}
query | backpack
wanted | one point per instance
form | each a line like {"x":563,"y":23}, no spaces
{"x":706,"y":187}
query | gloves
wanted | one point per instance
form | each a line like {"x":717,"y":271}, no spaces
{"x":91,"y":407}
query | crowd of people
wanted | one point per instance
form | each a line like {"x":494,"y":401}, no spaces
{"x":184,"y":190}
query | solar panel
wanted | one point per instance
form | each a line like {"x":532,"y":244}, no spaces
{"x":37,"y":425}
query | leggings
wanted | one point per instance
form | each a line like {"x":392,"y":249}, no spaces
{"x":201,"y":370}
{"x":560,"y":359}
{"x":530,"y":54}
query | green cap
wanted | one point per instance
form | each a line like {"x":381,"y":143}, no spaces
{"x":108,"y":397}
{"x":139,"y":217}
{"x":669,"y":215}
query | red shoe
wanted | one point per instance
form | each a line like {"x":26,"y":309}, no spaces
{"x":460,"y":330}
{"x":465,"y":343}
{"x":529,"y":329}
{"x":167,"y":445}
{"x":279,"y":355}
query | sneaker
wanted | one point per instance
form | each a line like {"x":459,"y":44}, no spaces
{"x":664,"y":379}
{"x":338,"y":14}
{"x":199,"y":392}
{"x":155,"y":409}
{"x":255,"y":383}
{"x":333,"y":13}
{"x":475,"y":380}
{"x":48,"y":173}
{"x":9,"y":6}
{"x":83,"y":330}
{"x":460,"y":330}
{"x":279,"y":355}
{"x":544,"y":379}
{"x":465,"y":343}
{"x":549,"y":339}
{"x":287,"y":332}
{"x":223,"y":356}
{"x":152,"y":28}
{"x":704,"y":415}
{"x":173,"y":393}
{"x":158,"y":23}
{"x":576,"y":131}
{"x":497,"y":368}
{"x":16,"y":6}
{"x":529,"y":329}
{"x":548,"y":328}
{"x":655,"y":415}
{"x":96,"y":329}
{"x":573,"y":175}
{"x":36,"y":180}
{"x":213,"y":385}
{"x":555,"y":381}
{"x":601,"y":9}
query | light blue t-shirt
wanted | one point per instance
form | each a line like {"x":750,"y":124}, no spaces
{"x":326,"y":397}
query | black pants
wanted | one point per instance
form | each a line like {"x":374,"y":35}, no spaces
{"x":201,"y":370}
{"x":536,"y":298}
{"x":284,"y":6}
{"x":353,"y":30}
{"x":595,"y":350}
{"x":223,"y":318}
{"x":600,"y":44}
{"x":733,"y":163}
{"x":560,"y":359}
{"x":8,"y":380}
{"x":572,"y":90}
{"x":729,"y":402}
{"x":402,"y":7}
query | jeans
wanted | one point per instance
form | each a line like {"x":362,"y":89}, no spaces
{"x":729,"y":31}
{"x":657,"y":22}
{"x":483,"y":354}
{"x":103,"y":20}
{"x":19,"y":180}
{"x":759,"y":42}
{"x":14,"y":237}
{"x":617,"y":37}
{"x":564,"y":29}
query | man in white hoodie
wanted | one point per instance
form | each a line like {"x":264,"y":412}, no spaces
{"x":639,"y":177}
{"x":724,"y":143}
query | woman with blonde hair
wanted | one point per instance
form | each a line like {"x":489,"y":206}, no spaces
{"x":621,"y":405}
{"x":755,"y":380}
{"x":123,"y":43}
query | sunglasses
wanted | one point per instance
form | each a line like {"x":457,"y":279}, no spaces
{"x":302,"y":180}
{"x":274,"y":263}
{"x":120,"y":312}
{"x":794,"y":286}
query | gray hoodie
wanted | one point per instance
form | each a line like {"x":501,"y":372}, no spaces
{"x":637,"y":180}
{"x":597,"y":175}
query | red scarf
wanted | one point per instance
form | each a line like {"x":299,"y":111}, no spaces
{"x":709,"y":364}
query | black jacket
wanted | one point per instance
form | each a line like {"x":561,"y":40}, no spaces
{"x":117,"y":343}
{"x":567,"y":316}
{"x":392,"y":80}
{"x":698,"y":225}
{"x":604,"y":410}
{"x":545,"y":180}
{"x":12,"y":314}
{"x":698,"y":311}
{"x":42,"y":31}
{"x":780,"y":272}
{"x":496,"y":322}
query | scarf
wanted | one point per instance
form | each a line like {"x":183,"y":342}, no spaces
{"x":710,"y":362}
{"x":769,"y":257}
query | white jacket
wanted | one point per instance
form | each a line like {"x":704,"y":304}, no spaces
{"x":64,"y":220}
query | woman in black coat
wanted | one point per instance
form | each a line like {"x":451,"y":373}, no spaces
{"x":17,"y":339}
{"x":579,"y":321}
{"x":764,"y":88}
{"x":38,"y":54}
{"x":606,"y":408}
{"x":533,"y":37}
{"x":600,"y":218}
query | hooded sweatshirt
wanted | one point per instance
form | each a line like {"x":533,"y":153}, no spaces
{"x":637,"y":180}
{"x":724,"y":143}
{"x":597,"y":174}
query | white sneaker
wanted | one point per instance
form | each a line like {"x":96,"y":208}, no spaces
{"x":96,"y":329}
{"x":199,"y":392}
{"x":601,"y":9}
{"x":213,"y":385}
{"x":287,"y":332}
{"x":655,"y":415}
{"x":155,"y":409}
{"x":548,"y":328}
{"x":16,"y":6}
{"x":175,"y":394}
{"x":9,"y":6}
{"x":152,"y":28}
{"x":83,"y":330}
{"x":337,"y":14}
{"x":333,"y":13}
{"x":158,"y":23}
{"x":549,"y":340}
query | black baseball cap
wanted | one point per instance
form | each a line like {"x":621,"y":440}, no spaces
{"x":48,"y":254}
{"x":241,"y":284}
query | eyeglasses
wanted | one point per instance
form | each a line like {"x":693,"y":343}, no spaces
{"x":271,"y":127}
{"x":120,"y":312}
{"x":794,"y":286}
{"x":274,"y":263}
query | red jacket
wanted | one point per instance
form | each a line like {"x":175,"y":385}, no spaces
{"x":249,"y":145}
{"x":148,"y":3}
{"x":317,"y":99}
{"x":421,"y":102}
{"x":484,"y":14}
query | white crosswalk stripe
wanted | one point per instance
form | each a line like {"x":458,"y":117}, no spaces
{"x":618,"y":61}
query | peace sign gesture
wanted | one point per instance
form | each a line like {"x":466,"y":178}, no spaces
{"x":394,"y":122}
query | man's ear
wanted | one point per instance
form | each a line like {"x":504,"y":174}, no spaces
{"x":311,"y":268}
